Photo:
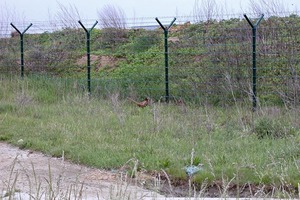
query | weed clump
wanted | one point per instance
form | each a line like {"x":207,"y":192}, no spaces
{"x":272,"y":128}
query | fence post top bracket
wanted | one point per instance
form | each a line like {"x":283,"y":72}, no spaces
{"x":257,"y":22}
{"x":88,"y":30}
{"x":21,"y":33}
{"x":165,"y":28}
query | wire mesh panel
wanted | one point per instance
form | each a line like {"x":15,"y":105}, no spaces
{"x":128,"y":61}
{"x":210,"y":61}
{"x":279,"y":61}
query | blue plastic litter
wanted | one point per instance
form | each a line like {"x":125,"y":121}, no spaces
{"x":192,"y":169}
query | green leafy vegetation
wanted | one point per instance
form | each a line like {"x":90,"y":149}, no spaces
{"x":233,"y":143}
{"x":210,"y":72}
{"x":209,"y":61}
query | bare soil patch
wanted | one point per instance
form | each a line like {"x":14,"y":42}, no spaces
{"x":99,"y":62}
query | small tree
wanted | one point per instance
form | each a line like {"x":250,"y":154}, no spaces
{"x":205,"y":10}
{"x":68,"y":16}
{"x":8,"y":15}
{"x":112,"y":17}
{"x":268,"y":7}
{"x":113,"y":21}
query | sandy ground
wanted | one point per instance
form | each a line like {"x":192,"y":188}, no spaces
{"x":28,"y":174}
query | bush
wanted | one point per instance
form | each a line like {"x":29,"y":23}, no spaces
{"x":145,"y":41}
{"x":112,"y":37}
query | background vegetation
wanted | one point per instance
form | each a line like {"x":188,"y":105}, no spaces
{"x":210,"y":70}
{"x":209,"y":61}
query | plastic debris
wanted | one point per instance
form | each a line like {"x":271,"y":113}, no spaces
{"x":192,"y":169}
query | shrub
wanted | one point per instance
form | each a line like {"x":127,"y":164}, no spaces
{"x":145,"y":41}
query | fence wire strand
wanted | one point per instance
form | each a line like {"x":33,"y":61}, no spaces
{"x":209,"y":61}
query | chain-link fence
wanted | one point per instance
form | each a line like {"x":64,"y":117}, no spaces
{"x":202,"y":62}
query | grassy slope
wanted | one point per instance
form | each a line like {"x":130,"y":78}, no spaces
{"x":211,"y":60}
{"x":108,"y":133}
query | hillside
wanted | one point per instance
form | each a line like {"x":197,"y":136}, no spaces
{"x":208,"y":61}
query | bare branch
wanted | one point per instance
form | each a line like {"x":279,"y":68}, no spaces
{"x":68,"y":16}
{"x":268,"y":7}
{"x":8,"y":15}
{"x":112,"y":17}
{"x":205,"y":10}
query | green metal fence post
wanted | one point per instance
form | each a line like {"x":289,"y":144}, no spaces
{"x":254,"y":28}
{"x":166,"y":31}
{"x":88,"y":34}
{"x":21,"y":45}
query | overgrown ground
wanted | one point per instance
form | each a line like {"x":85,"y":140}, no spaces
{"x":239,"y":149}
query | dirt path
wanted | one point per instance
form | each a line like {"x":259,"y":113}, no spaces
{"x":27,"y":173}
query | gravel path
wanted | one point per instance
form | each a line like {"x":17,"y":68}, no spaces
{"x":27,"y":173}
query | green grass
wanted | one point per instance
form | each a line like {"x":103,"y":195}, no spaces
{"x":232,"y":143}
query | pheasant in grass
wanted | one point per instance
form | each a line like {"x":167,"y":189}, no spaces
{"x":141,"y":104}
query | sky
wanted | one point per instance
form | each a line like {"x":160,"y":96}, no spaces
{"x":42,"y":10}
